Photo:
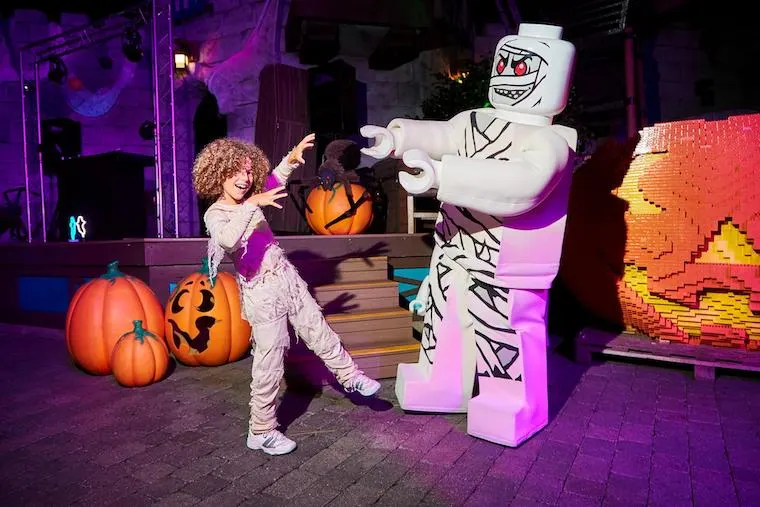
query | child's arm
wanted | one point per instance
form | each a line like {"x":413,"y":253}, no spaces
{"x":279,"y":176}
{"x":228,"y":229}
{"x":291,"y":161}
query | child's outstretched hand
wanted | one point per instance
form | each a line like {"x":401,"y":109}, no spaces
{"x":268,"y":198}
{"x":296,"y":154}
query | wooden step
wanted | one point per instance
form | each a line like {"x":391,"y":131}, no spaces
{"x":383,"y":362}
{"x":373,"y":328}
{"x":357,"y":296}
{"x":378,"y":362}
{"x":329,"y":271}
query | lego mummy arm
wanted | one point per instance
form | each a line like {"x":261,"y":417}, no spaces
{"x":495,"y":187}
{"x":433,"y":137}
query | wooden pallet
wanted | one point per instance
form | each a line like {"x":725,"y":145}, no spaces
{"x":705,"y":359}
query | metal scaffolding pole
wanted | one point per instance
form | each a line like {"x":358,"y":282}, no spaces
{"x":39,"y":151}
{"x":167,"y":206}
{"x":25,"y":136}
{"x":163,"y":101}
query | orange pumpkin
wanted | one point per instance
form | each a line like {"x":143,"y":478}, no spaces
{"x":663,"y":240}
{"x":325,"y":206}
{"x":139,"y":358}
{"x":104,"y":309}
{"x":203,"y":321}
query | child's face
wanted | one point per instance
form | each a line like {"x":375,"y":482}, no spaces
{"x":237,"y":186}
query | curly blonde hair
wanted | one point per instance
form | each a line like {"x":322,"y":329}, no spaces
{"x":223,"y":158}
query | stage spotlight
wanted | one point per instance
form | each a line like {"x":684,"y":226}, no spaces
{"x":132,"y":45}
{"x":28,"y":87}
{"x":147,"y":130}
{"x":58,"y":71}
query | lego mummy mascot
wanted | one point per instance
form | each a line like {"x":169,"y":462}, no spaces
{"x":502,"y":176}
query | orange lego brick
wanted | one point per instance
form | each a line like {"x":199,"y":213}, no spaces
{"x":692,"y":266}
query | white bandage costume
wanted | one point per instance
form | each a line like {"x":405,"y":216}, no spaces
{"x":272,"y":293}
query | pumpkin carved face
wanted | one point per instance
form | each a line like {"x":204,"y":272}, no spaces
{"x":688,"y":270}
{"x":203,"y":323}
{"x":329,"y":211}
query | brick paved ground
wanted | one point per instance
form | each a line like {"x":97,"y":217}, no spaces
{"x":623,"y":435}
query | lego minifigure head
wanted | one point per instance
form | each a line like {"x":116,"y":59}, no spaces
{"x":532,"y":71}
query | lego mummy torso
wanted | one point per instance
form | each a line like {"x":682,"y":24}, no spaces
{"x":519,"y":251}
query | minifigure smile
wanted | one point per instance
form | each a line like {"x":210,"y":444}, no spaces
{"x":512,"y":93}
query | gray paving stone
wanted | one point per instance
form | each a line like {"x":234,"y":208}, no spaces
{"x":257,"y":479}
{"x":541,"y":488}
{"x":205,"y":486}
{"x":670,"y":441}
{"x":178,"y":499}
{"x":567,"y":499}
{"x":585,"y":488}
{"x":633,"y":490}
{"x":292,"y":484}
{"x":493,"y":491}
{"x":591,"y":467}
{"x":401,"y":494}
{"x":356,"y":495}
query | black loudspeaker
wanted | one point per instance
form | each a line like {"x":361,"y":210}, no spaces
{"x":108,"y":191}
{"x":61,"y":140}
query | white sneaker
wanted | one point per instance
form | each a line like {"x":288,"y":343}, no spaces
{"x":273,"y":443}
{"x":363,"y":385}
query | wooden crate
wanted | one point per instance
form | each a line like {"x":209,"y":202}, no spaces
{"x":705,"y":359}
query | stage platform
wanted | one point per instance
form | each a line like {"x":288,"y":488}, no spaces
{"x":363,"y":282}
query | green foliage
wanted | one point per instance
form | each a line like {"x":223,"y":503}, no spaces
{"x":452,"y":96}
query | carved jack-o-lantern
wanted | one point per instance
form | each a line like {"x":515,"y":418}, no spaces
{"x":203,"y":321}
{"x":672,"y":252}
{"x":330,"y":211}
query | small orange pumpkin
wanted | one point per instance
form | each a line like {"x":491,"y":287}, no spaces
{"x":325,"y":206}
{"x":203,"y":321}
{"x":104,"y":309}
{"x":139,"y":358}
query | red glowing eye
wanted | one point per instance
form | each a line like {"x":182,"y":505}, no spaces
{"x":501,"y":66}
{"x":521,"y":69}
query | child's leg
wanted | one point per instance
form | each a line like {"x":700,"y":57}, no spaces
{"x":267,"y":372}
{"x":307,"y":320}
{"x":266,"y":310}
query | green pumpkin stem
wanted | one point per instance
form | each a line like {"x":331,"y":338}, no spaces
{"x":204,"y":266}
{"x":112,"y":272}
{"x":140,"y":332}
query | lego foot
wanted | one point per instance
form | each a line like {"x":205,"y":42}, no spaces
{"x":502,"y":422}
{"x":419,"y":392}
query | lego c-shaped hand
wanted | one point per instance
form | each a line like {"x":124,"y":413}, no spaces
{"x":419,"y":304}
{"x":384,"y":144}
{"x":429,"y":176}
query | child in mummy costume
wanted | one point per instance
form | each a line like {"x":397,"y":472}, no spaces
{"x":502,"y":176}
{"x":237,"y":175}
